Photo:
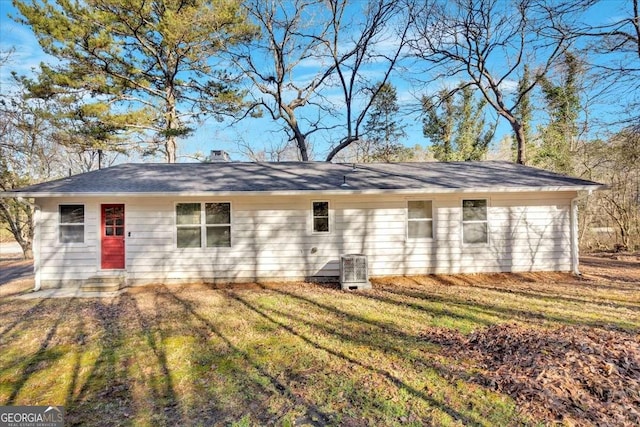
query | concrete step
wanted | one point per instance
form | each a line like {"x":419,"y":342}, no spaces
{"x":355,"y":286}
{"x":103,"y":284}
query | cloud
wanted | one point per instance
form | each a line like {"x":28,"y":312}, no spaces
{"x":509,"y":86}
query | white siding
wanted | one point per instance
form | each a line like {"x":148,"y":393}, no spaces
{"x":272,"y":238}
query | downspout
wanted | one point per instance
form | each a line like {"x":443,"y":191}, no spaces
{"x":575,"y":255}
{"x":574,"y":237}
{"x":35,"y":244}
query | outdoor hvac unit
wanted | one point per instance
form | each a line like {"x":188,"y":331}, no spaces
{"x":353,"y":272}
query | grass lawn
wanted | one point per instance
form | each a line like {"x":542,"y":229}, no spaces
{"x":304,"y":354}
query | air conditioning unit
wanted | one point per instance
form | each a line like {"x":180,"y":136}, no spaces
{"x":353,"y":272}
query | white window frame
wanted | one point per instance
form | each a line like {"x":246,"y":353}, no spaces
{"x":485,"y":221}
{"x":203,"y":224}
{"x":203,"y":208}
{"x":433,"y":230}
{"x":329,"y":219}
{"x":84,"y":224}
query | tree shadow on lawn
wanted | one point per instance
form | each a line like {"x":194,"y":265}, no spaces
{"x":123,"y":358}
{"x":111,"y":360}
{"x":37,"y":307}
{"x":307,"y":338}
{"x":205,"y":327}
{"x":541,"y":294}
{"x":371,"y":294}
{"x":420,"y":291}
{"x":112,"y":381}
{"x":39,"y":360}
{"x":105,"y":395}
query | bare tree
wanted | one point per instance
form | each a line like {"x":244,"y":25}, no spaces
{"x":619,"y":36}
{"x":291,"y":35}
{"x":24,"y":159}
{"x":384,"y":22}
{"x":614,"y":48}
{"x":314,"y":52}
{"x":276,"y":152}
{"x":488,"y":43}
{"x":615,"y":162}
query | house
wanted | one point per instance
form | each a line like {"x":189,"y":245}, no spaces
{"x":242,"y":221}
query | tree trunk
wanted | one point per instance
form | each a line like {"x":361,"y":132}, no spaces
{"x":27,"y":251}
{"x":171,"y":126}
{"x":344,"y":144}
{"x":518,"y":131}
{"x":171,"y":149}
{"x":301,"y":142}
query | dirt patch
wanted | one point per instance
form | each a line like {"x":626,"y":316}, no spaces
{"x":568,"y":374}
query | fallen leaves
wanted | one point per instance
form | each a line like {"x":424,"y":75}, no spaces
{"x":568,"y":374}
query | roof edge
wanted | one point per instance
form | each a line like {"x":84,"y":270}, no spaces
{"x":337,"y":192}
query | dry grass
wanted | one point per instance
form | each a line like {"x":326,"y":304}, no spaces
{"x":291,"y":354}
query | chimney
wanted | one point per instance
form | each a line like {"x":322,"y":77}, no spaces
{"x":219,"y":156}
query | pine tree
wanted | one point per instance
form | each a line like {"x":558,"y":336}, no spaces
{"x":456,"y":126}
{"x":382,"y":130}
{"x":150,"y":63}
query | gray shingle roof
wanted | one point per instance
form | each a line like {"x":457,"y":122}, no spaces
{"x":294,"y":177}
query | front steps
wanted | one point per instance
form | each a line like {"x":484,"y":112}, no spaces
{"x":104,"y":284}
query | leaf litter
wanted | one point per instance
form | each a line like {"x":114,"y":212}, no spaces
{"x":570,"y":374}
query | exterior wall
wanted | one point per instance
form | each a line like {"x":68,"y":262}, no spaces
{"x":272,"y":238}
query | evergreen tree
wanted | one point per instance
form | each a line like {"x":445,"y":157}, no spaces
{"x":382,"y":130}
{"x":457,"y":126}
{"x":563,"y":106}
{"x":151,"y":60}
{"x":438,"y":125}
{"x":489,"y":42}
{"x":524,"y":113}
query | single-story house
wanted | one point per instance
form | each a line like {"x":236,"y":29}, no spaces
{"x":246,"y":221}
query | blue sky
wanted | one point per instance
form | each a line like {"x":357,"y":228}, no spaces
{"x":215,"y":135}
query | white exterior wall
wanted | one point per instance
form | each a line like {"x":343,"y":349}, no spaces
{"x":272,"y":238}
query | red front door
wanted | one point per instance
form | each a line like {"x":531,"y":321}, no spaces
{"x":112,"y":231}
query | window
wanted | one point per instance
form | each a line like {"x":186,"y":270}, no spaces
{"x":218,"y":224}
{"x":113,"y":221}
{"x":419,"y":219}
{"x":474,"y":221}
{"x":320,"y":217}
{"x":211,"y":226}
{"x":188,"y":223}
{"x":71,"y":224}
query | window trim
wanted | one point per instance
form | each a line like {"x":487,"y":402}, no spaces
{"x":329,"y":218}
{"x":485,"y":221}
{"x":203,"y":225}
{"x":207,"y":225}
{"x":432,"y":220}
{"x":84,"y":224}
{"x":178,"y":226}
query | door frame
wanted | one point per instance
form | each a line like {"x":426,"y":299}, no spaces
{"x":101,"y":231}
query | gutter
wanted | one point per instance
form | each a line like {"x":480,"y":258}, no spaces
{"x":35,"y":244}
